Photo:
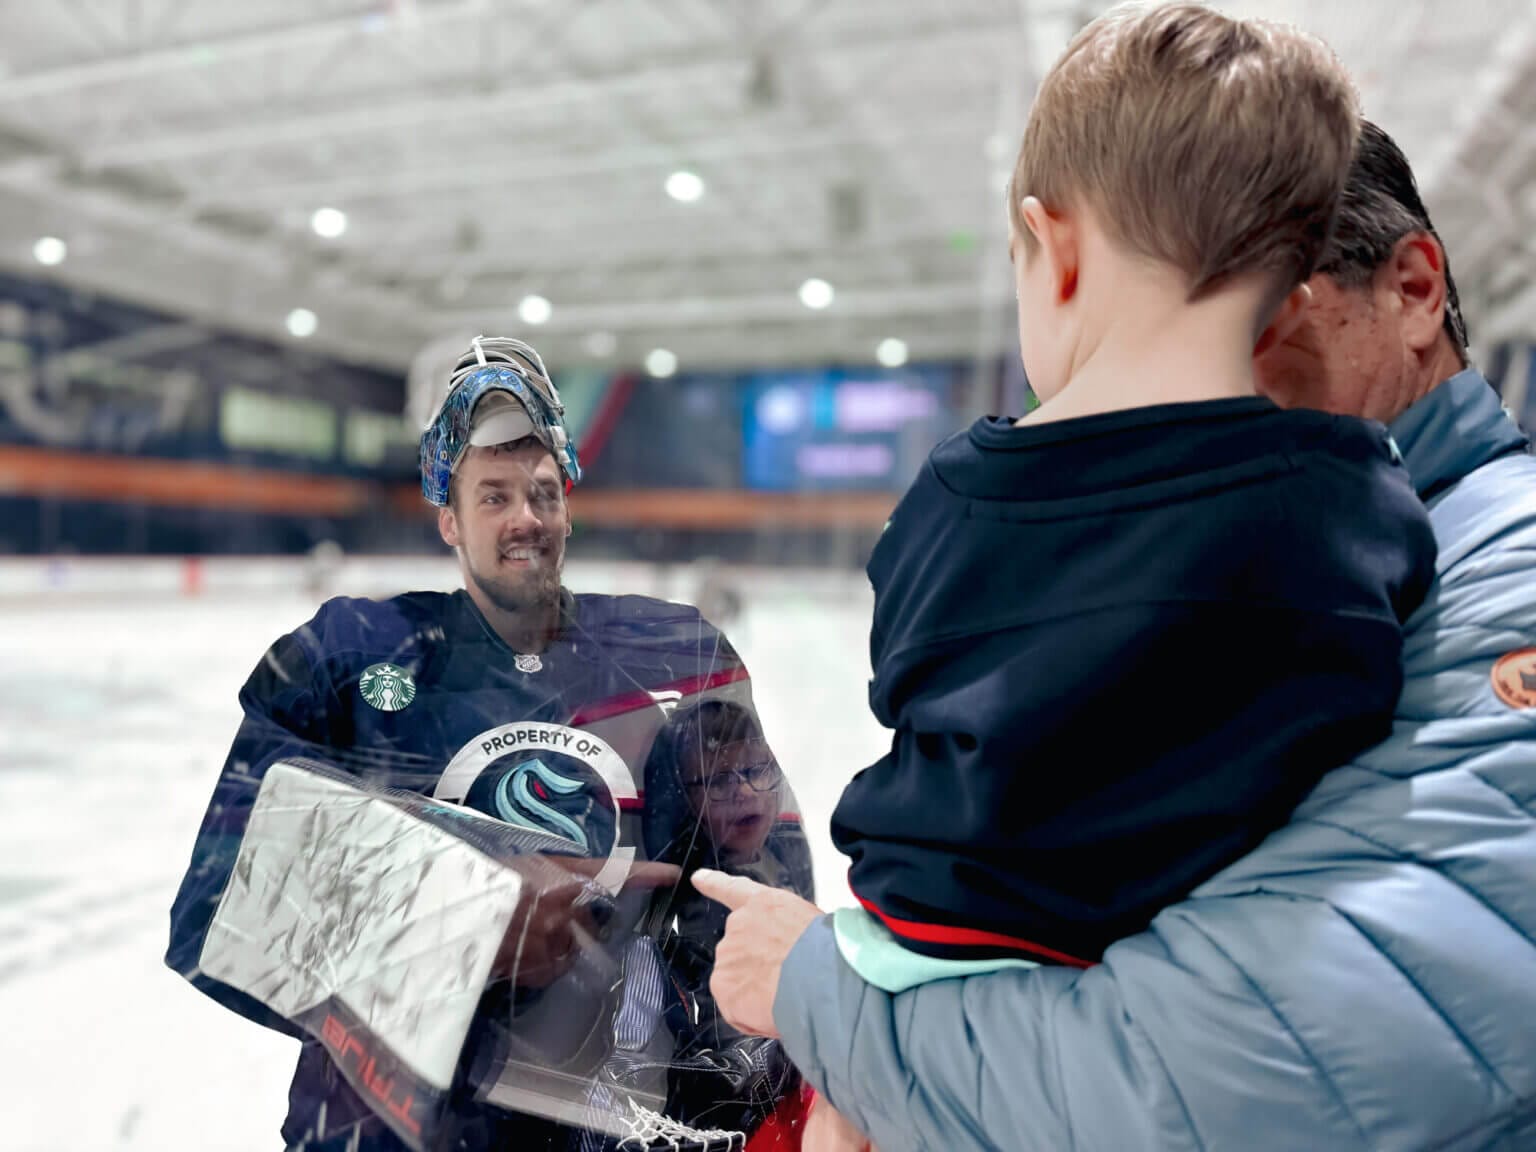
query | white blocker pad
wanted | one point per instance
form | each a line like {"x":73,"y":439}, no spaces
{"x":341,"y":896}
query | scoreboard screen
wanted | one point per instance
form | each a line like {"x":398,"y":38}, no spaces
{"x":842,"y":429}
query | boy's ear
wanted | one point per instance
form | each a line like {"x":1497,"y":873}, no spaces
{"x":1058,"y":244}
{"x":1286,"y":320}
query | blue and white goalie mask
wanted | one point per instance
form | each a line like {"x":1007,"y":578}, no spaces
{"x":504,"y":383}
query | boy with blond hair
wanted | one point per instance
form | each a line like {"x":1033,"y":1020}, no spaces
{"x":1119,"y":640}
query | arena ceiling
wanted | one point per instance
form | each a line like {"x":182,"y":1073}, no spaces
{"x":488,"y":151}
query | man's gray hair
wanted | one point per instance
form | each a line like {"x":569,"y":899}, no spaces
{"x":1381,"y":205}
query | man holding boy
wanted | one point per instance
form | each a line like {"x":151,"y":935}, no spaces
{"x":1366,"y":977}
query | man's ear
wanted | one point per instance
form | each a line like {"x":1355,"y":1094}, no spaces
{"x":1057,"y":242}
{"x":1286,"y":320}
{"x":448,"y":526}
{"x":1415,"y":277}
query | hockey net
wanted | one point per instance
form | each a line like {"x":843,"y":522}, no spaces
{"x":651,"y":1131}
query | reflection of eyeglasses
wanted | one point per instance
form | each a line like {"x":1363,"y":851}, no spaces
{"x":759,"y":777}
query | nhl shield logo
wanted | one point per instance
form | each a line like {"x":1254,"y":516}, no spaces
{"x":387,"y":687}
{"x":527,"y":663}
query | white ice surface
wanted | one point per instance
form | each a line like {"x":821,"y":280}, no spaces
{"x":114,"y":721}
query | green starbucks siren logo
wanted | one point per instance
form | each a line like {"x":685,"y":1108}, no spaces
{"x":387,"y":687}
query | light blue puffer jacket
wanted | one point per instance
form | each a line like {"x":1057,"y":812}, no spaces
{"x":1365,"y":979}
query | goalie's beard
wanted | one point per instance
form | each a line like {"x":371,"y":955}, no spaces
{"x":529,"y":594}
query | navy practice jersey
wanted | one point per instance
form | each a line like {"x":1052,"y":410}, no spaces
{"x":1115,"y":653}
{"x":418,"y":693}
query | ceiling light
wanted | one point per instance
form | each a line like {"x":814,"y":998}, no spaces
{"x":534,"y":310}
{"x":302,"y":323}
{"x":892,"y":352}
{"x":781,"y":409}
{"x":50,"y":250}
{"x":661,"y":363}
{"x":328,"y":222}
{"x":816,"y":293}
{"x":685,"y":186}
{"x":600,"y":344}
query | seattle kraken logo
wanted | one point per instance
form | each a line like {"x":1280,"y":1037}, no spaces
{"x":522,"y":798}
{"x":565,"y":783}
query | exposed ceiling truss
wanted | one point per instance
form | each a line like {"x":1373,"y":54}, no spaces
{"x":486,"y":150}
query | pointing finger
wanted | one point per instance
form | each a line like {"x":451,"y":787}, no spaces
{"x":732,"y":891}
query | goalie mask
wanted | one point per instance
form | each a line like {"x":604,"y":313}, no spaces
{"x":499,"y":391}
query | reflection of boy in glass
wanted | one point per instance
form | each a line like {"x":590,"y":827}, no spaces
{"x":716,"y":798}
{"x":732,"y":782}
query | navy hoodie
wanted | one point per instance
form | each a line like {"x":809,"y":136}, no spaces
{"x":1115,"y":652}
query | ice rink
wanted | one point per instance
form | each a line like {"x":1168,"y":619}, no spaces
{"x":116,"y":711}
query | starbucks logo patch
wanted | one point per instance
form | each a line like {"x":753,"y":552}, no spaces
{"x":387,"y":687}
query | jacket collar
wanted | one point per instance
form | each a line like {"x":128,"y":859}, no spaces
{"x":1454,"y":430}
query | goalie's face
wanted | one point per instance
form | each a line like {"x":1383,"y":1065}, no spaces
{"x":507,"y":515}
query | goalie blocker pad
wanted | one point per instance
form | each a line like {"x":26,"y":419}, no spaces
{"x":371,"y":919}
